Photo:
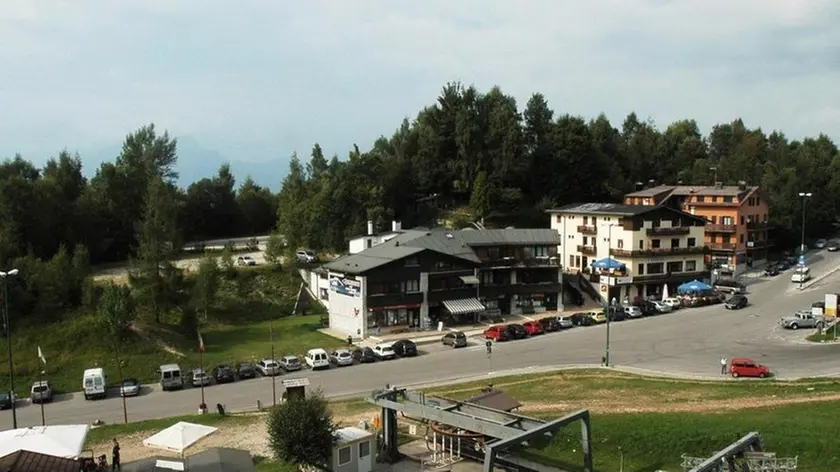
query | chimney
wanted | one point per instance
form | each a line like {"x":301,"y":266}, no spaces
{"x":640,"y":186}
{"x":651,"y":183}
{"x":370,"y":228}
{"x":742,"y":185}
{"x":718,"y":185}
{"x":396,"y":226}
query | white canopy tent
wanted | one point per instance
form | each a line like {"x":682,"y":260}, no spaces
{"x":179,"y":436}
{"x":60,"y":440}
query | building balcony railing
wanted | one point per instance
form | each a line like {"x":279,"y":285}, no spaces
{"x":760,"y":244}
{"x":514,"y":262}
{"x":758,"y":226}
{"x":647,"y":278}
{"x":588,"y":250}
{"x":658,"y":252}
{"x":671,"y":231}
{"x":718,"y":228}
{"x":721,"y":246}
{"x":714,"y":204}
{"x":587,"y":229}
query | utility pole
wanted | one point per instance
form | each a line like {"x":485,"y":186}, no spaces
{"x":7,"y":322}
{"x":804,"y":196}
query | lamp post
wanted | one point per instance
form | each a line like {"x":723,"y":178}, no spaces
{"x":274,"y":374}
{"x":610,"y":305}
{"x":6,"y":322}
{"x":804,"y":196}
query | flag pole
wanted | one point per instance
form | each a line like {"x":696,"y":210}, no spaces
{"x":122,"y":380}
{"x":203,"y":406}
{"x":41,"y":382}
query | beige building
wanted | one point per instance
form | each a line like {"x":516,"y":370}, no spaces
{"x":630,"y":250}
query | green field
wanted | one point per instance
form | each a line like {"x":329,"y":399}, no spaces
{"x":237,"y":329}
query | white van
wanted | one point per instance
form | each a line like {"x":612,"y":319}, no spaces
{"x":170,"y":377}
{"x":317,"y":359}
{"x":801,"y":274}
{"x":94,"y":383}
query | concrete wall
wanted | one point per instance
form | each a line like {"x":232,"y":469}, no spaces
{"x":347,"y":311}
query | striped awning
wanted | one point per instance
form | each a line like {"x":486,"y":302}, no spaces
{"x":464,"y":306}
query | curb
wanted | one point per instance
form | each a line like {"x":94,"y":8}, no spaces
{"x":820,"y":278}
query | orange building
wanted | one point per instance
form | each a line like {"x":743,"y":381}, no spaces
{"x":736,"y":215}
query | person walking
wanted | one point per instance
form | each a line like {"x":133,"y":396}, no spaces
{"x":115,"y":456}
{"x":722,"y":366}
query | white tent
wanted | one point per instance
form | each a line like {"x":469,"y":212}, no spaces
{"x":60,"y":440}
{"x":179,"y":436}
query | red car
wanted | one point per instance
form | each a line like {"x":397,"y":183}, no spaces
{"x":496,"y":333}
{"x":746,"y":367}
{"x":533,"y":328}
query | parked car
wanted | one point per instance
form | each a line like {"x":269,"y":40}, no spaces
{"x":130,"y":387}
{"x":730,"y":286}
{"x":384,"y":351}
{"x":317,"y":358}
{"x":746,"y":367}
{"x":615,"y":314}
{"x":565,"y":322}
{"x":41,"y":392}
{"x":405,"y":348}
{"x":6,"y":400}
{"x":673,"y":302}
{"x":364,"y":355}
{"x":290,"y":363}
{"x":736,"y":302}
{"x":771,"y":270}
{"x":306,"y":257}
{"x":246,"y":370}
{"x":802,"y":319}
{"x":633,"y":312}
{"x":269,"y":367}
{"x":582,"y":319}
{"x":549,"y":324}
{"x":516,"y":331}
{"x":801,"y":274}
{"x":245,"y":261}
{"x":497,"y":333}
{"x":198,"y":377}
{"x":455,"y":339}
{"x":224,"y":374}
{"x":833,"y":246}
{"x":533,"y":328}
{"x":820,"y":243}
{"x":662,"y":307}
{"x":597,"y":317}
{"x":341,"y":357}
{"x":784,"y":265}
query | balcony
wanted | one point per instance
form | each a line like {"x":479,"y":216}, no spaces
{"x":733,"y":203}
{"x":588,"y":250}
{"x":670,"y":231}
{"x":717,"y":228}
{"x":513,"y":262}
{"x":586,"y":229}
{"x":760,"y":244}
{"x":721,"y":246}
{"x":758,"y":226}
{"x":670,"y":277}
{"x":658,"y":252}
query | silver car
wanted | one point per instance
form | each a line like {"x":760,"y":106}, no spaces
{"x":341,"y":357}
{"x":41,"y":392}
{"x":291,"y":363}
{"x":130,"y":388}
{"x":565,"y":322}
{"x":268,"y":367}
{"x":199,"y":378}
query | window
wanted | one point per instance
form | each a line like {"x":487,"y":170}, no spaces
{"x":594,"y":220}
{"x":742,"y":239}
{"x":559,"y":218}
{"x":577,"y":261}
{"x":412,"y":262}
{"x":646,"y":201}
{"x":727,"y":199}
{"x":444,"y":265}
{"x":585,"y":220}
{"x":376,"y":289}
{"x":409,"y":286}
{"x":690,"y":266}
{"x":742,"y":220}
{"x":675,"y":266}
{"x":585,"y":241}
{"x":364,"y":449}
{"x":571,"y":260}
{"x":369,"y":243}
{"x":726,"y":220}
{"x":675,"y":242}
{"x":642,"y":245}
{"x":540,"y":251}
{"x":655,"y":244}
{"x":764,"y":218}
{"x":692,"y":242}
{"x":619,"y":244}
{"x":640,"y":270}
{"x":344,"y":456}
{"x":656,"y":268}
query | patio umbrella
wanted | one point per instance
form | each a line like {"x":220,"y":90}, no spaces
{"x":60,"y":440}
{"x":693,"y":287}
{"x":607,"y":263}
{"x":179,"y":436}
{"x":665,"y":292}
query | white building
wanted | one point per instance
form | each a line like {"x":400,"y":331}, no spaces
{"x":371,"y":239}
{"x":636,"y":249}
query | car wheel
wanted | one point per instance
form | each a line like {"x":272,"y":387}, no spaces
{"x":735,"y":374}
{"x":761,"y":375}
{"x":794,"y":326}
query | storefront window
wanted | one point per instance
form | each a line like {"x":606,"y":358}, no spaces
{"x":393,"y":317}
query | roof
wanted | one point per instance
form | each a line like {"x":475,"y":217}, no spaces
{"x":28,"y":461}
{"x":686,"y":190}
{"x":457,"y":244}
{"x":58,"y":440}
{"x":496,"y":399}
{"x":352,"y":434}
{"x":617,"y":209}
{"x":651,"y":191}
{"x":218,"y":459}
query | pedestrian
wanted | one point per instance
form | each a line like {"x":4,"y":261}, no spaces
{"x":722,"y":366}
{"x":115,"y":456}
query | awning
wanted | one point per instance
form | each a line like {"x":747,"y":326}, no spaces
{"x":179,"y":436}
{"x":469,"y":279}
{"x":464,"y":306}
{"x":60,"y":441}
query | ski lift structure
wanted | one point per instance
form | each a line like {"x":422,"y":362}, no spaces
{"x":745,"y":455}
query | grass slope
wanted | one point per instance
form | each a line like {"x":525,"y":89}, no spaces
{"x":236,"y":330}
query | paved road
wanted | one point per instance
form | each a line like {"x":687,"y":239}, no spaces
{"x":687,"y":342}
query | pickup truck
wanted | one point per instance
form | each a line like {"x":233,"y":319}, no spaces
{"x":802,"y":319}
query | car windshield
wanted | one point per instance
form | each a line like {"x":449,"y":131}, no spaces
{"x":39,"y":389}
{"x":460,"y":335}
{"x":4,"y":396}
{"x":344,"y":354}
{"x":129,"y":382}
{"x":292,"y":360}
{"x":309,"y":253}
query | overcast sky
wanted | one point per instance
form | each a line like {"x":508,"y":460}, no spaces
{"x":259,"y":79}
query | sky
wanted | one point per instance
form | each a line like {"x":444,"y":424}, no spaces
{"x":259,"y":79}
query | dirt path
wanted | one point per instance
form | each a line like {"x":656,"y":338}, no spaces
{"x":120,"y":274}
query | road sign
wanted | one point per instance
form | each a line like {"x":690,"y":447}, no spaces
{"x":802,"y":260}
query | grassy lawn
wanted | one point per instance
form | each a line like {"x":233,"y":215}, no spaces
{"x":828,"y":336}
{"x":236,"y":330}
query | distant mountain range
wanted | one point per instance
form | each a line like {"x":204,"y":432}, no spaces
{"x":196,"y":162}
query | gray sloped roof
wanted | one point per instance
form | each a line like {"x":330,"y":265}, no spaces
{"x":458,"y":244}
{"x":603,"y":209}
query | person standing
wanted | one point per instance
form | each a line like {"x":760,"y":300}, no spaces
{"x":115,"y":456}
{"x":722,"y":366}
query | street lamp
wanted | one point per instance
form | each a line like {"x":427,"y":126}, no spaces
{"x":610,"y":306}
{"x":5,"y":276}
{"x":804,"y":196}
